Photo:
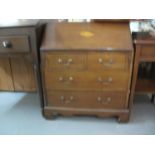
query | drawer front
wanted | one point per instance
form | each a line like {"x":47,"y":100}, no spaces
{"x":148,"y":51}
{"x":86,"y":99}
{"x":86,"y":80}
{"x":18,"y":44}
{"x":108,"y":60}
{"x":23,"y":74}
{"x":6,"y":82}
{"x":65,"y":60}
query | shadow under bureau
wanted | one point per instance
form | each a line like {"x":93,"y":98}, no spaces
{"x":86,"y":69}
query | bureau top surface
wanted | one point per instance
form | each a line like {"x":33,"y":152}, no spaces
{"x":100,"y":36}
{"x":18,"y":23}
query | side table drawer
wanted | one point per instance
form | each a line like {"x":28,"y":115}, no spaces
{"x":17,"y":44}
{"x":148,"y":51}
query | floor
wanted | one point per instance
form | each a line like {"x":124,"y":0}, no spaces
{"x":20,"y":113}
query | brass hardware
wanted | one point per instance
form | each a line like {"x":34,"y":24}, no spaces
{"x":59,"y":60}
{"x":71,"y":98}
{"x":108,"y":99}
{"x":100,"y":60}
{"x":71,"y":78}
{"x":62,"y":98}
{"x":109,"y":80}
{"x":111,"y":61}
{"x":99,"y":99}
{"x":99,"y":79}
{"x":60,"y":78}
{"x":67,"y":63}
{"x":70,"y":60}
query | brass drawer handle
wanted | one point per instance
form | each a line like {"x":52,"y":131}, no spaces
{"x":62,"y":98}
{"x":99,"y":99}
{"x":69,"y":61}
{"x":59,"y":60}
{"x":71,"y":98}
{"x":6,"y":44}
{"x":61,"y":79}
{"x":108,"y":81}
{"x":70,"y":79}
{"x":107,"y":101}
{"x":100,"y":60}
{"x":100,"y":79}
{"x":111,"y":61}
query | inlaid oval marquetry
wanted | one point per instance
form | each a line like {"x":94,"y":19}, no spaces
{"x":86,"y":34}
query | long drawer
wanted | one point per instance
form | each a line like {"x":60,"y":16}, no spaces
{"x":147,"y":52}
{"x":14,"y":44}
{"x":86,"y":99}
{"x":106,"y":80}
{"x":89,"y":60}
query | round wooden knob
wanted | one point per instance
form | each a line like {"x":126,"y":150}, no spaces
{"x":6,"y":44}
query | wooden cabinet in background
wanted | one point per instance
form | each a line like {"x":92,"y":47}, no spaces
{"x":6,"y":80}
{"x":23,"y":74}
{"x":19,"y":59}
{"x":17,"y":74}
{"x":143,"y":81}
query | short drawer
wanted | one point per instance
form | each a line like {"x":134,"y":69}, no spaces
{"x":64,"y":60}
{"x":148,"y":51}
{"x":108,"y":60}
{"x":84,"y":99}
{"x":86,"y":80}
{"x":17,"y":44}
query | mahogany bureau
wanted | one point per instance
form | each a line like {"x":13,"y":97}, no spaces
{"x":86,"y":69}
